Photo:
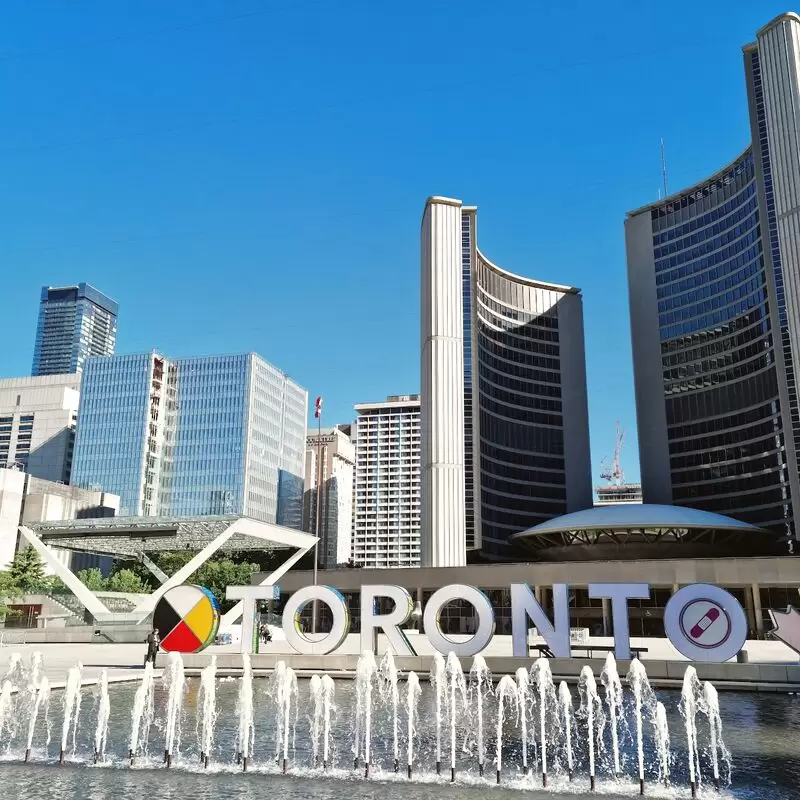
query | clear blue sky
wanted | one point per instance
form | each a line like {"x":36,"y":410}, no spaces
{"x":245,"y":175}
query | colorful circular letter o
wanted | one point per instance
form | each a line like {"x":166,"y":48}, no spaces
{"x":187,"y":618}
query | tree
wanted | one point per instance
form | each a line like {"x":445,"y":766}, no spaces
{"x":92,"y":579}
{"x":8,"y":589}
{"x":27,"y":570}
{"x":126,"y":580}
{"x":216,"y":576}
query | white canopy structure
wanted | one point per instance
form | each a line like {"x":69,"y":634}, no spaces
{"x":135,"y":537}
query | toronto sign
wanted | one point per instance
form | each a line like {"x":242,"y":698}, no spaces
{"x":703,"y":622}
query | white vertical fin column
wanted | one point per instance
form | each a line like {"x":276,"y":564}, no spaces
{"x":443,"y":526}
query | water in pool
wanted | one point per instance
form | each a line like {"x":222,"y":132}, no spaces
{"x":458,"y":735}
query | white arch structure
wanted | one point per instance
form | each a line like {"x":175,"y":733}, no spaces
{"x":133,"y":536}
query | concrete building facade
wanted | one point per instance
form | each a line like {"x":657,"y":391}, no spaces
{"x":192,"y":436}
{"x":386,"y":522}
{"x":37,"y":424}
{"x":505,"y":427}
{"x":25,"y":499}
{"x":75,"y":322}
{"x":715,"y":321}
{"x":330,"y":461}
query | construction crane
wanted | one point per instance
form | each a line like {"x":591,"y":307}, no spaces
{"x":614,"y":473}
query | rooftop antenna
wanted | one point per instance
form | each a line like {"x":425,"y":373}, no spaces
{"x":664,"y":168}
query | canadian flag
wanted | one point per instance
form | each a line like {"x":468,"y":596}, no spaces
{"x":318,"y":408}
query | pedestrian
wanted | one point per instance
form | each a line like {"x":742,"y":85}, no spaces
{"x":153,"y":643}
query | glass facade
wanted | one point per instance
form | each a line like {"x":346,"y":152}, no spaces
{"x":75,"y":322}
{"x":521,"y":428}
{"x":210,"y":435}
{"x":724,"y":421}
{"x":113,"y":426}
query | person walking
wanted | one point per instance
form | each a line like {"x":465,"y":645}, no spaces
{"x":153,"y":643}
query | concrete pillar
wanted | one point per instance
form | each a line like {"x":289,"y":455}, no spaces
{"x":756,"y":594}
{"x":443,"y":516}
{"x":750,"y":611}
{"x":537,"y":593}
{"x":607,"y":630}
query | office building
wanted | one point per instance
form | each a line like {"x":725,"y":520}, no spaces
{"x":332,"y":452}
{"x":75,"y":322}
{"x":614,"y":494}
{"x":37,"y":424}
{"x":714,"y":280}
{"x":193,"y":436}
{"x":387,"y":502}
{"x":25,"y":499}
{"x":505,"y":429}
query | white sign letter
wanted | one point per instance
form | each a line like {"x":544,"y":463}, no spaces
{"x":250,"y":595}
{"x":619,"y":593}
{"x":291,"y":620}
{"x":483,"y":610}
{"x":389,"y":623}
{"x":524,"y":605}
{"x":705,"y":623}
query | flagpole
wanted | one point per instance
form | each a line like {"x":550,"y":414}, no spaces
{"x":318,"y":414}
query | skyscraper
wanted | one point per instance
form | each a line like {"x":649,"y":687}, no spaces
{"x":505,"y":428}
{"x":75,"y":322}
{"x":333,"y":448}
{"x":37,"y":425}
{"x":387,"y":501}
{"x":714,"y":280}
{"x":193,"y":436}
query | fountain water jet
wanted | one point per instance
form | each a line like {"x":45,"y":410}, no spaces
{"x":207,"y":707}
{"x":591,"y":709}
{"x":42,"y":699}
{"x":710,"y":708}
{"x":508,"y":697}
{"x":480,"y":683}
{"x":644,"y":704}
{"x":244,"y":707}
{"x":142,"y":713}
{"x":457,"y":687}
{"x":288,"y":693}
{"x":72,"y":710}
{"x":315,"y":691}
{"x":389,"y":690}
{"x":366,"y":672}
{"x":16,"y":669}
{"x":103,"y":714}
{"x":438,"y":680}
{"x":691,"y":698}
{"x":35,"y":673}
{"x":175,"y":684}
{"x":275,"y":691}
{"x":612,"y":684}
{"x":5,"y":704}
{"x":321,"y":690}
{"x":524,"y":699}
{"x":661,"y":727}
{"x":413,"y":691}
{"x":542,"y":679}
{"x":328,"y":690}
{"x":565,"y":713}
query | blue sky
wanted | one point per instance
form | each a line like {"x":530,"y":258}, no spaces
{"x":245,"y":175}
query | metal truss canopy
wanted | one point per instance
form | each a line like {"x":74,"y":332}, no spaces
{"x":135,"y":536}
{"x":128,"y":537}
